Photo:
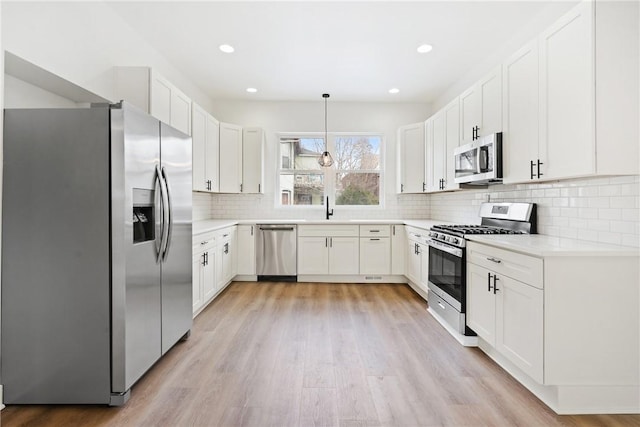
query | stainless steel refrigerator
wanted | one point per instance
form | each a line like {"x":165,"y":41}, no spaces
{"x":96,"y":251}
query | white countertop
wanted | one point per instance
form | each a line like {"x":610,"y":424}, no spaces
{"x":547,"y":246}
{"x":204,"y":226}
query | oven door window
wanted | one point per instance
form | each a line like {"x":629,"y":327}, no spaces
{"x":445,"y":271}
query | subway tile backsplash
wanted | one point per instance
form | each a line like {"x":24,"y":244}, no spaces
{"x":602,"y":209}
{"x":599,"y":209}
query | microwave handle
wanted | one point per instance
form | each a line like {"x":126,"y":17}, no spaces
{"x":483,"y":159}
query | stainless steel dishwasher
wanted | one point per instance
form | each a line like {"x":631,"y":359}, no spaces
{"x":276,"y":255}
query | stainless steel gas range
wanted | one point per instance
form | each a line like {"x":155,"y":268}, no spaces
{"x":447,"y":274}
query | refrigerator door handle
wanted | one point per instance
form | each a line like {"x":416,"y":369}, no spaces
{"x":165,"y":213}
{"x":169,"y":218}
{"x":160,"y":208}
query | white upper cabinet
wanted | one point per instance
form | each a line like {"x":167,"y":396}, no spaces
{"x":205,"y":135}
{"x":481,"y":107}
{"x":571,"y":97}
{"x":567,"y":96}
{"x":253,"y":142}
{"x":230,"y":158}
{"x":520,"y":134}
{"x":148,"y":90}
{"x":411,"y":156}
{"x":443,"y":139}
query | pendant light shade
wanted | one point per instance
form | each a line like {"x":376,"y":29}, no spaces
{"x":325,"y":160}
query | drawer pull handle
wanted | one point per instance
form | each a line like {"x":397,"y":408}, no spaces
{"x":374,"y":231}
{"x":376,"y":240}
{"x":492,"y":259}
{"x":204,"y":243}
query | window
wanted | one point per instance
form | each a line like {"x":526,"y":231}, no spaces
{"x":353,"y":180}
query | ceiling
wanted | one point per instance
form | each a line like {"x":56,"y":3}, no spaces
{"x":356,"y":51}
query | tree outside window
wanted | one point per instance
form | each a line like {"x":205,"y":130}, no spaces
{"x":354,"y":180}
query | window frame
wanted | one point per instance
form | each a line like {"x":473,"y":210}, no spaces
{"x":330,"y":173}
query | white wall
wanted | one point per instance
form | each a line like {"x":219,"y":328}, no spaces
{"x":20,"y":94}
{"x":277,"y":117}
{"x":82,"y":42}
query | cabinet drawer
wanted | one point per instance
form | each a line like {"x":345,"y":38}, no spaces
{"x":375,"y":231}
{"x":204,"y":241}
{"x":337,"y":230}
{"x":520,"y":267}
{"x":224,"y":235}
{"x":417,"y":235}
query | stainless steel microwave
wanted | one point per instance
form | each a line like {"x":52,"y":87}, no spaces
{"x":479,"y":162}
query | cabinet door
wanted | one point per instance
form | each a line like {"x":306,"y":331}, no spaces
{"x":209,"y":276}
{"x":431,"y":182}
{"x":196,"y":292}
{"x":439,"y":150}
{"x":567,"y":87}
{"x":246,"y":253}
{"x":398,"y":244}
{"x":520,"y":114}
{"x":230,"y":158}
{"x":452,"y":141}
{"x":490,"y":90}
{"x":313,"y":255}
{"x":469,"y":113}
{"x":375,"y":255}
{"x":481,"y":303}
{"x":344,"y":255}
{"x":519,"y":325}
{"x":424,"y":267}
{"x":252,"y":160}
{"x":227,"y":261}
{"x":219,"y":272}
{"x":180,"y":115}
{"x":413,"y":263}
{"x":199,"y":138}
{"x":212,"y":153}
{"x":411,"y":144}
{"x":160,"y":102}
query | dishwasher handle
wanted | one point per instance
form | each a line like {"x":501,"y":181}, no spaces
{"x":277,"y":228}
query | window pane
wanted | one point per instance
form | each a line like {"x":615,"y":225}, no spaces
{"x":357,"y":188}
{"x":357,"y":152}
{"x":301,"y":189}
{"x":300,"y":153}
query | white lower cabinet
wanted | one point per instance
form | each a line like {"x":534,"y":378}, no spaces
{"x":398,"y":243}
{"x":508,"y":315}
{"x":204,"y":268}
{"x":565,"y":323}
{"x":417,"y":259}
{"x":375,"y":255}
{"x":328,"y":255}
{"x":246,"y":253}
{"x":225,"y":254}
{"x":313,"y":255}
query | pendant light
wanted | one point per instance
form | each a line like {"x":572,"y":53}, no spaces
{"x":325,"y":160}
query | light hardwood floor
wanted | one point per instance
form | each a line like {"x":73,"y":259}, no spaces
{"x":298,"y":354}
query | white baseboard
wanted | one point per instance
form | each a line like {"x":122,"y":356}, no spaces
{"x":351,"y":278}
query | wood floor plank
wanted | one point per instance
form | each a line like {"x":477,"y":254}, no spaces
{"x":319,"y":407}
{"x":306,"y":354}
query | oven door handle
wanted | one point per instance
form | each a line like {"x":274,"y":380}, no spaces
{"x":445,"y":248}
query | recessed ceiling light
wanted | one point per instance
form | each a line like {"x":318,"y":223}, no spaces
{"x":252,"y":90}
{"x":424,"y":48}
{"x":226,"y":48}
{"x":394,"y":90}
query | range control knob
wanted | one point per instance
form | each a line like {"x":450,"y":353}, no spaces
{"x":433,"y":234}
{"x":455,"y":240}
{"x":443,"y":237}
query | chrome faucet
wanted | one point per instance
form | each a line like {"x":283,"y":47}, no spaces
{"x":329,"y":212}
